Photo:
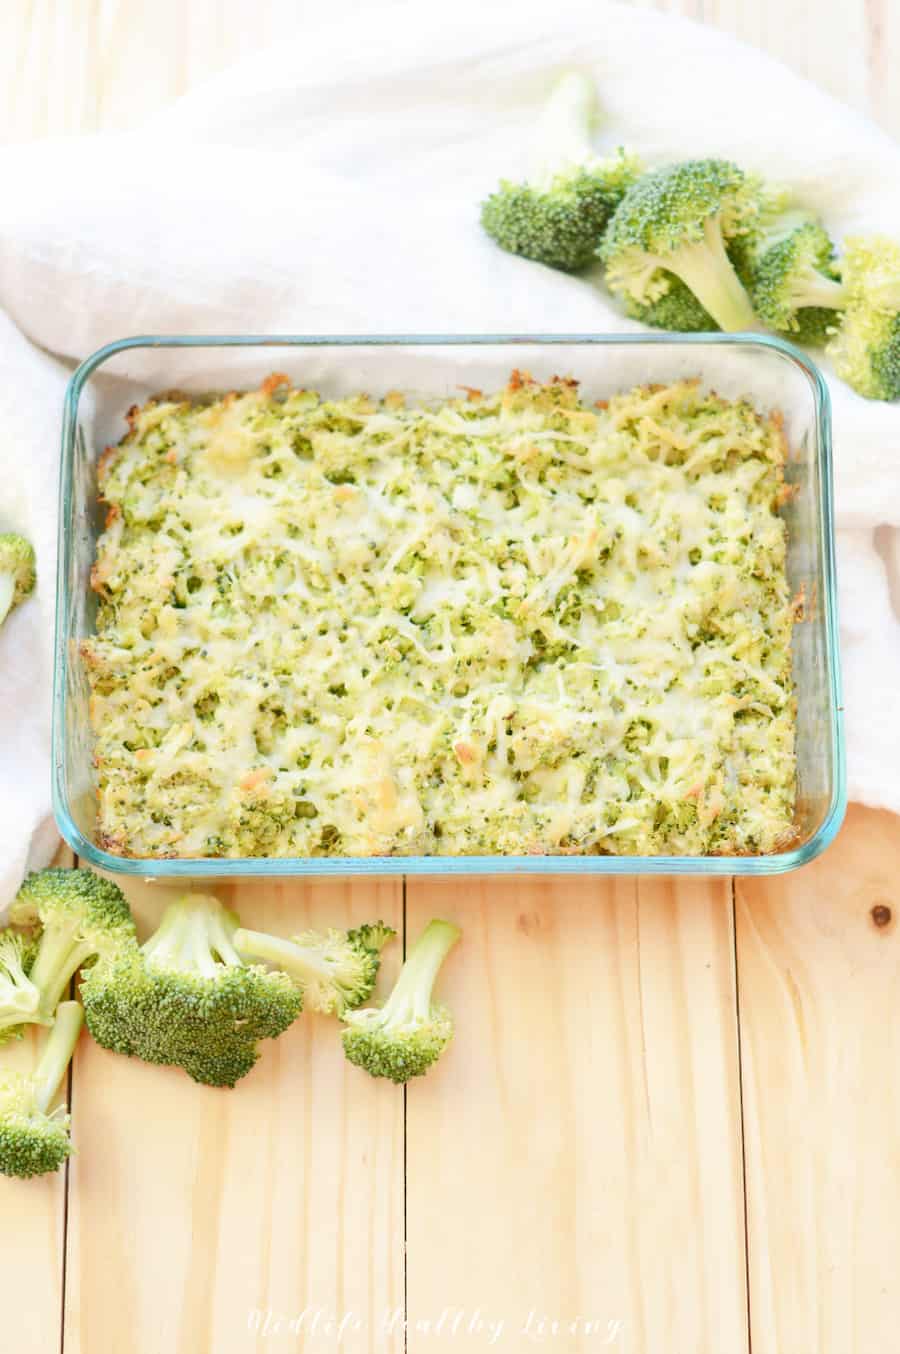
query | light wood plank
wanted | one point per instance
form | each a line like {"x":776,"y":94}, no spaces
{"x":829,"y":46}
{"x":577,"y":1153}
{"x":33,"y":1217}
{"x":819,"y":996}
{"x":67,"y":68}
{"x":850,"y":49}
{"x":200,"y":1211}
{"x":32,"y":1213}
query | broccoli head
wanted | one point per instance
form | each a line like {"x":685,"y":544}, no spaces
{"x":17,"y":572}
{"x":34,"y":1139}
{"x":334,"y":970}
{"x":680,"y":220}
{"x":677,"y":310}
{"x":187,"y":999}
{"x":559,"y":216}
{"x":793,"y":279}
{"x":81,"y":916}
{"x":402,"y":1038}
{"x":20,"y":999}
{"x":865,"y":347}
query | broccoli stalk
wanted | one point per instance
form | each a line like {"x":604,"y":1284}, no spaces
{"x":865,"y":348}
{"x":20,"y":998}
{"x":195,"y":936}
{"x":563,"y":134}
{"x":705,"y":269}
{"x":81,"y":917}
{"x":810,"y":288}
{"x":187,"y":998}
{"x":17,"y":572}
{"x":402,"y":1038}
{"x":334,"y":970}
{"x":62,"y":951}
{"x":56,"y":1053}
{"x":557,"y":217}
{"x":34,"y":1141}
{"x":679,"y":221}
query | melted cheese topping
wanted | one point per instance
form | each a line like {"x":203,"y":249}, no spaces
{"x":504,"y":624}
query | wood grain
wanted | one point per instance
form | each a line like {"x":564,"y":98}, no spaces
{"x":206,"y":1220}
{"x":819,"y":963}
{"x":577,"y":1154}
{"x":33,"y":1215}
{"x":80,"y":65}
{"x":31,"y":1275}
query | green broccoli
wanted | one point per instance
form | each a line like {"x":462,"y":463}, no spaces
{"x":81,"y":916}
{"x":33,"y":1141}
{"x":334,"y":970}
{"x":793,"y":278}
{"x":677,"y":310}
{"x":187,"y":999}
{"x":558,"y":217}
{"x":402,"y":1038}
{"x":679,"y":220}
{"x":865,"y":348}
{"x":17,"y":572}
{"x":20,"y":998}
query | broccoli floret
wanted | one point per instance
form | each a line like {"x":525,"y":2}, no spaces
{"x":81,"y":916}
{"x":374,"y":935}
{"x":866,"y":346}
{"x":17,"y":572}
{"x":679,"y":221}
{"x":793,"y":280}
{"x":33,"y":1141}
{"x":402,"y":1038}
{"x":677,"y":310}
{"x":334,"y":970}
{"x":187,"y":999}
{"x":20,"y":998}
{"x":558,"y":217}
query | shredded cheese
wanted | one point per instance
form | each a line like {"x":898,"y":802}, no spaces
{"x":508,"y":623}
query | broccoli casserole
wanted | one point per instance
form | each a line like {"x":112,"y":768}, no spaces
{"x":508,"y":623}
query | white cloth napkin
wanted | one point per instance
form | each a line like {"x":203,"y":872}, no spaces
{"x":331,"y":185}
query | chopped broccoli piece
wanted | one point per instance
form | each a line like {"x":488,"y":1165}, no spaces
{"x":866,"y":346}
{"x":558,"y":217}
{"x":33,"y":1141}
{"x":187,"y":999}
{"x":17,"y":572}
{"x":679,"y":221}
{"x":677,"y":310}
{"x":793,"y":280}
{"x":81,"y":916}
{"x":402,"y":1038}
{"x":20,"y":998}
{"x":334,"y":970}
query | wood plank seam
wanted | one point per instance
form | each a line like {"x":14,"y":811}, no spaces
{"x":70,"y":1096}
{"x":70,"y":1101}
{"x":405,"y":1178}
{"x":740,"y":1072}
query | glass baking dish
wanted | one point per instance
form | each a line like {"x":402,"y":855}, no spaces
{"x":771,"y":373}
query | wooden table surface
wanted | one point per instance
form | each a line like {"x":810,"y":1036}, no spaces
{"x":669,"y":1123}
